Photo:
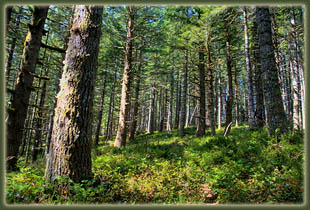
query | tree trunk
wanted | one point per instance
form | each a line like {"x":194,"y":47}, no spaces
{"x":16,"y":117}
{"x":133,"y":126}
{"x":210,"y":88}
{"x":184,"y":101}
{"x":178,"y":101}
{"x":258,"y":81}
{"x":230,"y":97}
{"x":201,"y":128}
{"x":236,"y":98}
{"x":220,"y":103}
{"x":98,"y":127}
{"x":272,"y":93}
{"x":150,"y":126}
{"x":251,"y":113}
{"x":127,"y":77}
{"x":70,"y":149}
{"x":12,"y":46}
{"x":169,"y":120}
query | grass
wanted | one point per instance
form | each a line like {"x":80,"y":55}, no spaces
{"x":245,"y":167}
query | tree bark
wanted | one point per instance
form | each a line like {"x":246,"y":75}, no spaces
{"x":127,"y":77}
{"x":276,"y":118}
{"x":220,"y":103}
{"x":20,"y":100}
{"x":251,"y":113}
{"x":230,"y":97}
{"x":178,"y":101}
{"x":210,"y":88}
{"x":70,"y":149}
{"x":258,"y":81}
{"x":150,"y":126}
{"x":12,"y":46}
{"x":133,"y":126}
{"x":184,"y":98}
{"x":170,"y":111}
{"x":201,"y":128}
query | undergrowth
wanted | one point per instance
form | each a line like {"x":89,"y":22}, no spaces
{"x":245,"y":167}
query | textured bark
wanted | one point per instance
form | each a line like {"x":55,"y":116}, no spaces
{"x":100,"y":113}
{"x":210,"y":89}
{"x":59,"y":73}
{"x":184,"y":98}
{"x":258,"y":81}
{"x":12,"y":46}
{"x":296,"y":71}
{"x":220,"y":103}
{"x":70,"y":149}
{"x":237,"y":99}
{"x":276,"y":118}
{"x":20,"y":100}
{"x":201,"y":128}
{"x":133,"y":126}
{"x":230,"y":95}
{"x":178,"y":101}
{"x":170,"y":107}
{"x":150,"y":125}
{"x":251,"y":113}
{"x":127,"y":77}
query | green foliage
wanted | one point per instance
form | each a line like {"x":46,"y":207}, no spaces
{"x":246,"y":167}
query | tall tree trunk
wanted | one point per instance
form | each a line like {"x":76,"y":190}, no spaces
{"x":59,"y":73}
{"x":210,"y":88}
{"x":8,"y":65}
{"x":170,"y":111}
{"x":272,"y":93}
{"x":101,"y":106}
{"x":127,"y":77}
{"x":178,"y":101}
{"x":258,"y":81}
{"x":236,"y":98}
{"x":230,"y":97}
{"x":249,"y":72}
{"x":150,"y":126}
{"x":184,"y":92}
{"x":70,"y":148}
{"x":133,"y":126}
{"x":220,"y":103}
{"x":201,"y":128}
{"x":17,"y":116}
{"x":297,"y":76}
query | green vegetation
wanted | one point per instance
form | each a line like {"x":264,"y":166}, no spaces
{"x":245,"y":167}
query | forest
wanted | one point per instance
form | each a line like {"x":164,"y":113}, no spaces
{"x":140,"y":104}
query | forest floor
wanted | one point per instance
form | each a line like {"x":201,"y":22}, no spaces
{"x":245,"y":167}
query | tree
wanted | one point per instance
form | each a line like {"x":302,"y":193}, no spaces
{"x":276,"y":118}
{"x":70,"y":149}
{"x":21,"y":95}
{"x":249,"y":71}
{"x":127,"y":77}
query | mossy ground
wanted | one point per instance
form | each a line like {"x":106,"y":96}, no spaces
{"x":245,"y":167}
